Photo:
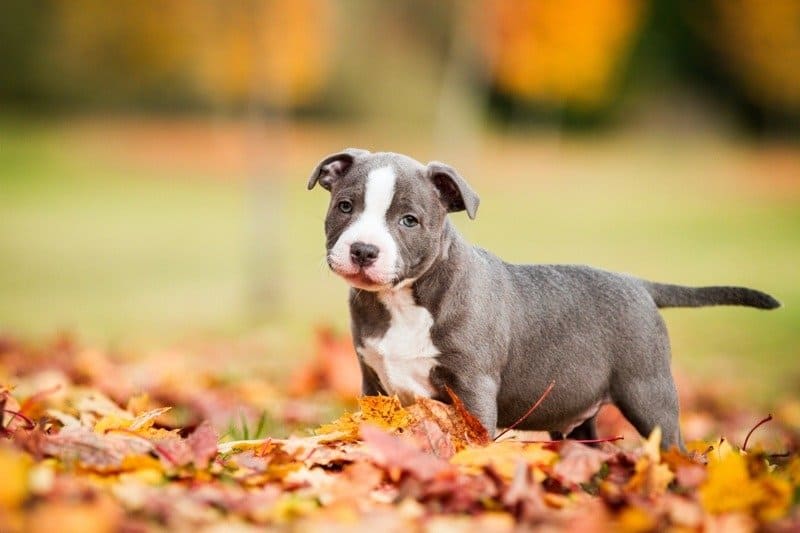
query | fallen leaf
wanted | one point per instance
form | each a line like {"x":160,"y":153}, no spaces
{"x":397,"y":456}
{"x":203,"y":444}
{"x":578,"y":463}
{"x":15,"y":466}
{"x":504,"y":457}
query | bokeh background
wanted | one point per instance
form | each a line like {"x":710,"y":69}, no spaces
{"x":154,"y":154}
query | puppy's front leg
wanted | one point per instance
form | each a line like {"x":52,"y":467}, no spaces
{"x":479,"y":394}
{"x":370,"y":384}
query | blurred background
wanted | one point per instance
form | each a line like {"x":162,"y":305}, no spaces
{"x":154,"y":155}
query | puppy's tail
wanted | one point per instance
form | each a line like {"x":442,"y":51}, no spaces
{"x":665,"y":295}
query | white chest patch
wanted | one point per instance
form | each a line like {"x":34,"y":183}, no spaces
{"x":404,"y":356}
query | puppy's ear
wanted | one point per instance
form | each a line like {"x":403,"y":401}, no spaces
{"x":455,"y":193}
{"x":333,"y":167}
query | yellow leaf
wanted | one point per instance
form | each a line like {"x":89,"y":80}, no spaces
{"x":109,"y":422}
{"x":504,"y":456}
{"x":635,"y":520}
{"x":291,"y":506}
{"x":345,"y":428}
{"x":793,"y":471}
{"x":652,"y":446}
{"x":650,"y":479}
{"x":728,"y":487}
{"x":141,"y":462}
{"x":386,"y":412}
{"x":14,"y":487}
{"x":141,"y":424}
{"x":138,"y":404}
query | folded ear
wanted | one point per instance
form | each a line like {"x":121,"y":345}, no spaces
{"x":455,"y":193}
{"x":333,"y":167}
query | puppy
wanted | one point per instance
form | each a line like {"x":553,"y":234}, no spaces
{"x":429,"y":310}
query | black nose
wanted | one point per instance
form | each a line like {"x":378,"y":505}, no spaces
{"x":363,"y":254}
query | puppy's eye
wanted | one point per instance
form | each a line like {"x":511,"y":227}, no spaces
{"x":409,"y":221}
{"x":345,"y":206}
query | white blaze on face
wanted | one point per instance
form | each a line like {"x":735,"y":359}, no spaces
{"x":370,"y":228}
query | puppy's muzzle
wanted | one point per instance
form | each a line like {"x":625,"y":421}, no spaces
{"x":363,"y":254}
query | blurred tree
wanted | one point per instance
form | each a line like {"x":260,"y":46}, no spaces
{"x":755,"y":46}
{"x":183,"y":52}
{"x":560,"y":54}
{"x":23,"y":24}
{"x":285,"y":46}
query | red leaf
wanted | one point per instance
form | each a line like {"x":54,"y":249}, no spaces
{"x":398,"y":456}
{"x":203,"y":444}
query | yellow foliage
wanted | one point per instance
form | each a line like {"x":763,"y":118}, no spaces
{"x":504,"y":456}
{"x":235,"y":51}
{"x":651,"y":477}
{"x":730,"y":487}
{"x":385,"y":412}
{"x":142,"y":424}
{"x":635,"y":520}
{"x":138,"y":404}
{"x":566,"y":51}
{"x":759,"y":44}
{"x":14,"y":485}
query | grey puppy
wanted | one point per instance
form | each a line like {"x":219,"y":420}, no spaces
{"x":429,"y":310}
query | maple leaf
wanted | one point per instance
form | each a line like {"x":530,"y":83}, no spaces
{"x":92,"y":451}
{"x":524,"y":497}
{"x":730,"y":487}
{"x":578,"y":463}
{"x":463,"y":432}
{"x":428,"y":436}
{"x":142,"y":424}
{"x":385,"y":412}
{"x":203,"y":444}
{"x":397,"y":456}
{"x":474,"y":431}
{"x":651,"y":477}
{"x":504,"y":457}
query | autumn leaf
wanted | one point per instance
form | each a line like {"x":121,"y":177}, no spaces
{"x":385,"y":412}
{"x":462,"y":432}
{"x":578,"y":463}
{"x":730,"y":487}
{"x":504,"y":456}
{"x":651,"y":477}
{"x":398,"y":456}
{"x":85,"y":462}
{"x":14,"y":487}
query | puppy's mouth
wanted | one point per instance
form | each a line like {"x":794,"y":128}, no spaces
{"x":361,"y":278}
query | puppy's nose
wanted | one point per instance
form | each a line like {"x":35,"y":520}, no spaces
{"x":363,"y":254}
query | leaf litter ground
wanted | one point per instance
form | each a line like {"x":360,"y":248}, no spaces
{"x":93,"y":442}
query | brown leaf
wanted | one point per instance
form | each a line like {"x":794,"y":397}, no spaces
{"x":452,"y":422}
{"x":475,"y":431}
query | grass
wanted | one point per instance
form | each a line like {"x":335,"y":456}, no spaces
{"x":118,"y":246}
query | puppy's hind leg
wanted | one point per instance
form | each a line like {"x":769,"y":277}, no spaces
{"x":648,"y":403}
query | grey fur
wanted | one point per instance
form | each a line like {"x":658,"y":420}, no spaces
{"x":505,"y":331}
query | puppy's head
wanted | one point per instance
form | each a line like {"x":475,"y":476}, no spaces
{"x":386,"y":216}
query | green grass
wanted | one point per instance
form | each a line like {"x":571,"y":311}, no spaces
{"x":119,"y":251}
